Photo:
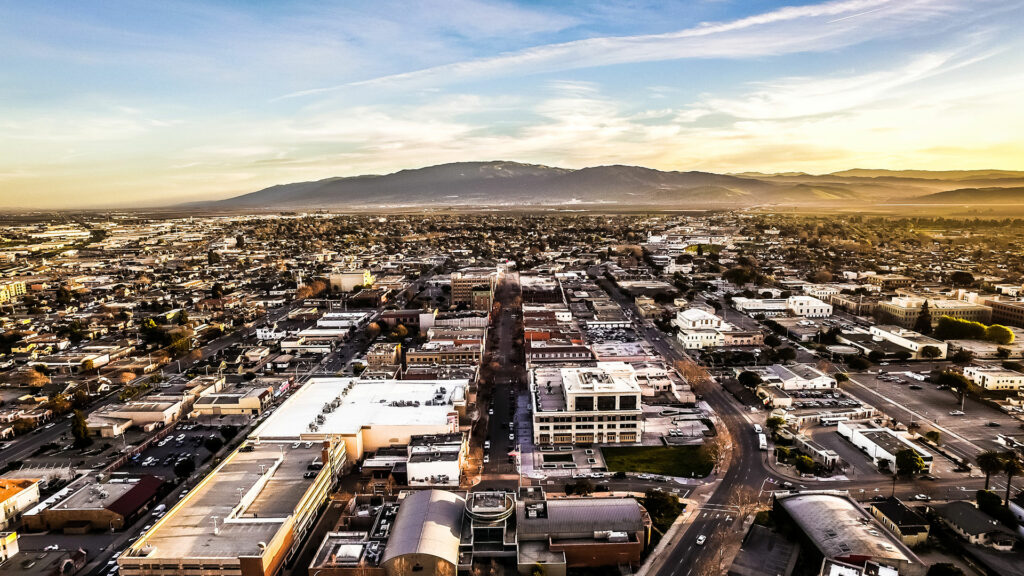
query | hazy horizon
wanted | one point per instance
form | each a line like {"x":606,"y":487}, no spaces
{"x":126,"y":105}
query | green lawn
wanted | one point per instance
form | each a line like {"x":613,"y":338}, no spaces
{"x":666,"y":460}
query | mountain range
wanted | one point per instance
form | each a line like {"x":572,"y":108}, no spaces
{"x":511,"y":184}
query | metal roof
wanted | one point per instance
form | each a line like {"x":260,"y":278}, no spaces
{"x":580,"y":517}
{"x":428,"y":522}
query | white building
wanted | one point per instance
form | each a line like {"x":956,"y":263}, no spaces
{"x":881,"y":444}
{"x":796,"y":377}
{"x":586,"y":404}
{"x":367,"y":415}
{"x":994,"y":377}
{"x":909,"y":340}
{"x":808,"y":307}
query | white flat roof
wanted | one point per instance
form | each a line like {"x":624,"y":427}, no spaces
{"x":367,"y":403}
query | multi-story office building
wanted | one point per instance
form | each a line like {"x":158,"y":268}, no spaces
{"x":474,"y":288}
{"x":1010,"y":313}
{"x":904,"y":310}
{"x":586,"y":404}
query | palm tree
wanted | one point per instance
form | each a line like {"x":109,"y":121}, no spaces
{"x":990,"y":463}
{"x":1012,"y":467}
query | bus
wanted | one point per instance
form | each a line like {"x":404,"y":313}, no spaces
{"x":833,"y":420}
{"x":762,"y":441}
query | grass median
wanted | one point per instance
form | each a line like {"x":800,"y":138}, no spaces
{"x":684,"y":461}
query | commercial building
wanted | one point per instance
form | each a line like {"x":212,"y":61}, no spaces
{"x":838,"y":528}
{"x":473,"y":288}
{"x":586,"y":404}
{"x":384,"y":354}
{"x":913,"y":342}
{"x":881,"y":444}
{"x":890,"y":281}
{"x":349,"y":280}
{"x":442,"y":353}
{"x":252,"y":400}
{"x":442,"y":532}
{"x":808,"y":307}
{"x":1010,"y":313}
{"x":975,"y":526}
{"x":149,"y":415}
{"x":795,"y":377}
{"x":88,"y":505}
{"x":910,"y":527}
{"x":246,"y":518}
{"x":905,"y":310}
{"x":17,"y":495}
{"x":994,"y":377}
{"x":367,"y":415}
{"x":8,"y":545}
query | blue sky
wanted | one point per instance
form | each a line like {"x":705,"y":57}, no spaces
{"x":129,"y":103}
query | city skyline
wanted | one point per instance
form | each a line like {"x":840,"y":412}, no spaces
{"x":121,"y":105}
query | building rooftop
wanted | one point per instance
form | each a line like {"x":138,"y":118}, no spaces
{"x":242,"y":503}
{"x":9,"y":487}
{"x":840,"y":528}
{"x":346,"y":405}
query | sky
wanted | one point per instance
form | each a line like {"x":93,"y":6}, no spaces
{"x":133,"y":103}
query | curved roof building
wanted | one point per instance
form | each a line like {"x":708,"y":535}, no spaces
{"x":426,"y":534}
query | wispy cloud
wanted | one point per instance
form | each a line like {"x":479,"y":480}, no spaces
{"x":783,"y":31}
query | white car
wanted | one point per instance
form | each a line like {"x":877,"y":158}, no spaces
{"x":701,"y":540}
{"x":487,"y":459}
{"x":956,"y":413}
{"x":511,"y":437}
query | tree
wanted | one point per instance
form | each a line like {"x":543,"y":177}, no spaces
{"x":876,"y":356}
{"x":908,"y":463}
{"x":80,"y":430}
{"x":775,"y":422}
{"x":581,"y":487}
{"x":213,"y":258}
{"x":990,"y":463}
{"x":944,"y":569}
{"x":217,"y":291}
{"x":804,"y":464}
{"x":184,"y":467}
{"x":962,"y":357}
{"x":930,"y":352}
{"x":213,"y":444}
{"x":182,"y":318}
{"x":786,"y":354}
{"x":961,"y":278}
{"x":999,"y":334}
{"x":772,"y":340}
{"x":1011,"y":467}
{"x":923,"y":324}
{"x":749,"y":379}
{"x":858,"y":363}
{"x":934,"y":436}
{"x":663,"y":508}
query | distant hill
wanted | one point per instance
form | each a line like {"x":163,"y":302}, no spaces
{"x":512,"y":184}
{"x":972,"y":196}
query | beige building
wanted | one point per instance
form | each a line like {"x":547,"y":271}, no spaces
{"x":474,"y":288}
{"x":16,"y":496}
{"x":586,"y":404}
{"x":246,"y":518}
{"x":904,"y":310}
{"x":994,"y":377}
{"x":349,"y":280}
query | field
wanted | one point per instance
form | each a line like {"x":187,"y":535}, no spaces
{"x":683,"y":461}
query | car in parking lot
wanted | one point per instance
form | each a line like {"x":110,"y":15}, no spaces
{"x":921,"y":497}
{"x":956,"y":412}
{"x":993,"y":424}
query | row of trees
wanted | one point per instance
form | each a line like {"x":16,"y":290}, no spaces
{"x":956,"y":329}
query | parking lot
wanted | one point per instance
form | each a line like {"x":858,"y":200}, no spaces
{"x":185,"y":441}
{"x":913,"y":402}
